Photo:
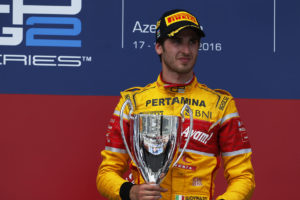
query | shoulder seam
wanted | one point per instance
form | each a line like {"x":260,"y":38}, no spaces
{"x":208,"y":89}
{"x":138,"y":92}
{"x":211,"y":91}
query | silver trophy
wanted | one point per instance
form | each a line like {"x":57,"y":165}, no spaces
{"x":154,"y":141}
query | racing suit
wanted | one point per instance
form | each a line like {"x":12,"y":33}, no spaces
{"x":218,"y":130}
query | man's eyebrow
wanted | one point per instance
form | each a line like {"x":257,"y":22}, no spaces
{"x":176,"y":37}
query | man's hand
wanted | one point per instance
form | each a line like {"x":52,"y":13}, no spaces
{"x":147,"y":191}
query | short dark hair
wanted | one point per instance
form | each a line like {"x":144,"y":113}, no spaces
{"x":161,"y":42}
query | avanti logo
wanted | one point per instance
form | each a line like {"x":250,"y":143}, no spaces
{"x":41,"y":36}
{"x":197,"y":135}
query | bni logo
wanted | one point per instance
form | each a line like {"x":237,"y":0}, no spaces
{"x":42,"y":35}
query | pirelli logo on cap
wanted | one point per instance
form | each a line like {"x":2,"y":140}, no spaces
{"x":180,"y":16}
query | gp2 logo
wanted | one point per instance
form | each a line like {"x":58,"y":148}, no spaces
{"x":13,"y":36}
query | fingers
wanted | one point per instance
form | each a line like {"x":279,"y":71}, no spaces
{"x":153,"y":189}
{"x":156,"y":187}
{"x":147,"y":191}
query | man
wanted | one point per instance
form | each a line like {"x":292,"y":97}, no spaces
{"x":218,"y":129}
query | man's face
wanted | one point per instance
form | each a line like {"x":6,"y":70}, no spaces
{"x":179,"y":53}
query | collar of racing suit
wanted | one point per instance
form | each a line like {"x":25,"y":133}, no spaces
{"x":174,"y":87}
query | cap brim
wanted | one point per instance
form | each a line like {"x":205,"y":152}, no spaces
{"x":193,"y":27}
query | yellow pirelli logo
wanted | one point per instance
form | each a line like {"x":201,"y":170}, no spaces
{"x":180,"y":16}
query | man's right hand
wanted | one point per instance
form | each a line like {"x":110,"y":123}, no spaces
{"x":146,"y":191}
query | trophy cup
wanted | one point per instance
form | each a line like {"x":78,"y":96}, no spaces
{"x":154,"y":141}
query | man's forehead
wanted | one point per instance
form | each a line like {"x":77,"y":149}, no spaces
{"x":187,"y":33}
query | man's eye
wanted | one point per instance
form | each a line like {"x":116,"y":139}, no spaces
{"x":193,"y":41}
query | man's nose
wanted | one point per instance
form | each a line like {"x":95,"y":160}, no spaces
{"x":186,"y":49}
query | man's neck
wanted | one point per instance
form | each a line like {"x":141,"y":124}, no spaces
{"x":176,"y":78}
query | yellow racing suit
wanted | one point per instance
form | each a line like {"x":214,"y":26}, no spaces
{"x":218,"y":132}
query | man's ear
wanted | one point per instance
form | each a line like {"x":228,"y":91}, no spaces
{"x":158,"y":48}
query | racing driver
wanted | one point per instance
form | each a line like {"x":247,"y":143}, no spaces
{"x":218,"y":132}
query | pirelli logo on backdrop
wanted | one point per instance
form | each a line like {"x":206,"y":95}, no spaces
{"x":180,"y":16}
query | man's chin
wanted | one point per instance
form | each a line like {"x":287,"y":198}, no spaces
{"x":184,"y":71}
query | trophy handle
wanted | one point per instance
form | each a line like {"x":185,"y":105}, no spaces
{"x":186,"y":107}
{"x":122,"y":127}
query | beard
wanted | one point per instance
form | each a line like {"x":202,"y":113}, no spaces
{"x":175,"y":65}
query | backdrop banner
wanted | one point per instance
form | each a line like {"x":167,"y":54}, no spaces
{"x":64,"y":62}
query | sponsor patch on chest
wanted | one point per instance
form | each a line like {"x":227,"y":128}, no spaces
{"x":197,"y":135}
{"x":190,"y":197}
{"x":187,"y":167}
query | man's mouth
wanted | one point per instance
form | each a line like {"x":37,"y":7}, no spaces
{"x":184,"y":59}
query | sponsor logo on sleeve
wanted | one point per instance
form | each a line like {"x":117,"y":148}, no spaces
{"x":223,"y":103}
{"x":243,"y":132}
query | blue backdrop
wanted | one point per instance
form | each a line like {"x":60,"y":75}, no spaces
{"x":251,"y":47}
